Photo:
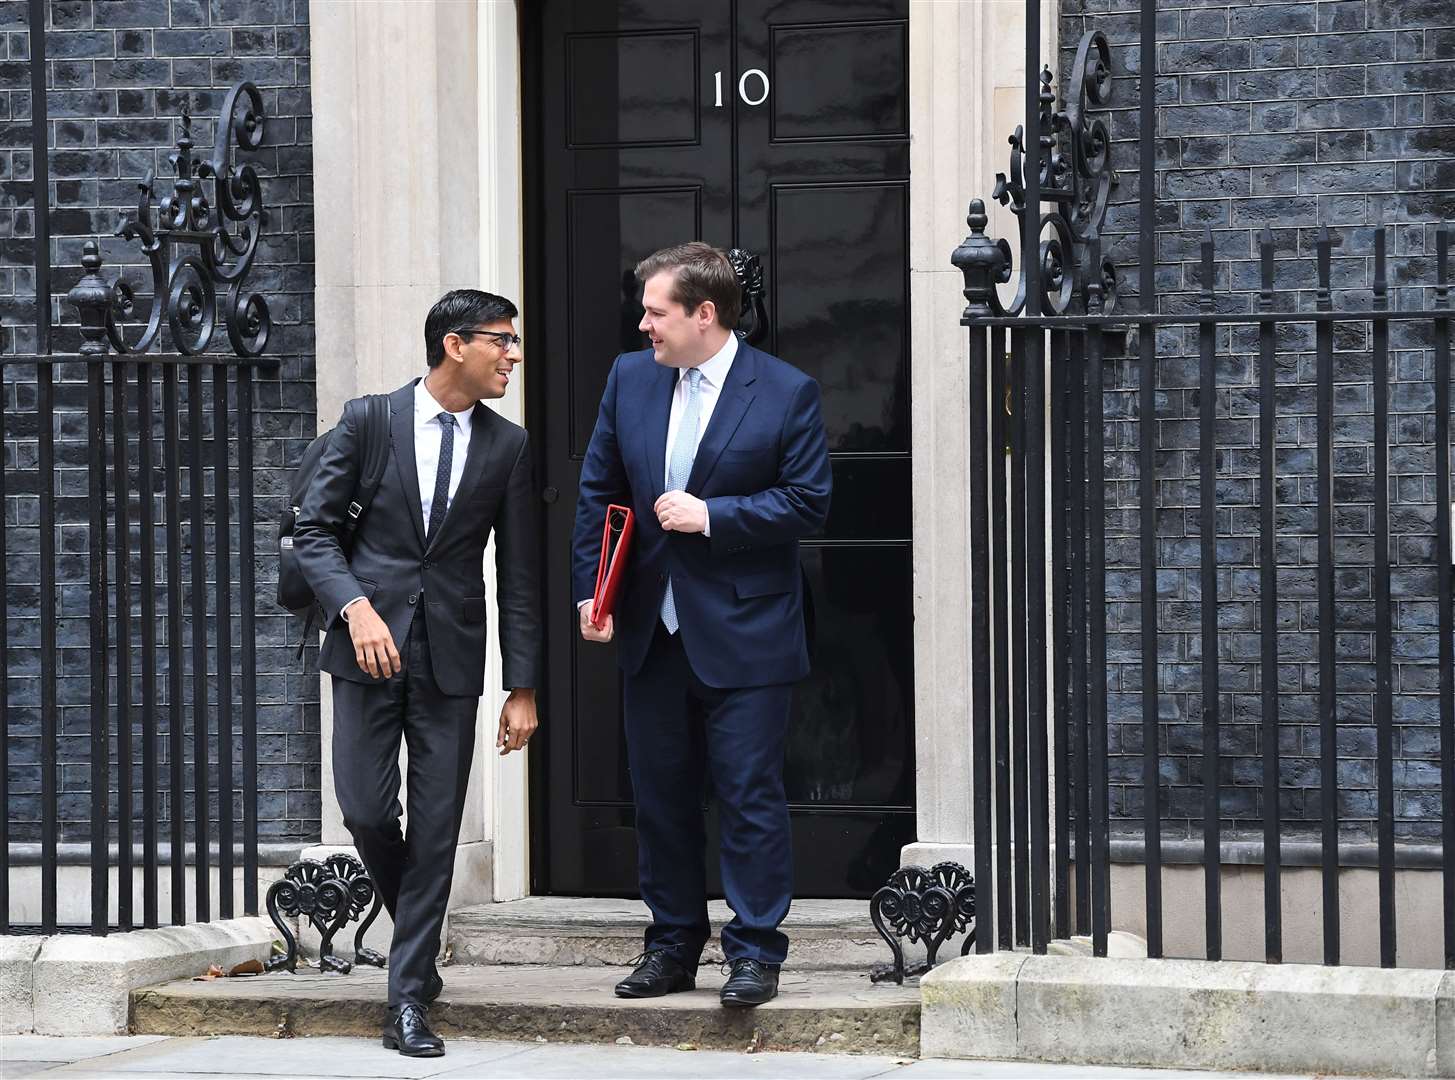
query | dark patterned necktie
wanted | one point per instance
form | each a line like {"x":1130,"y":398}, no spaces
{"x":440,"y":503}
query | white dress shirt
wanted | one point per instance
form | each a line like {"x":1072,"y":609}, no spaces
{"x":427,"y":453}
{"x":427,"y":446}
{"x":709,"y":388}
{"x":714,"y":375}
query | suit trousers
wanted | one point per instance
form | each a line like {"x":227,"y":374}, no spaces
{"x":681,"y":732}
{"x":412,"y":870}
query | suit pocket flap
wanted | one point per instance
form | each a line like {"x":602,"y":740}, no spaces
{"x":472,"y":609}
{"x":366,"y":587}
{"x":768,"y":584}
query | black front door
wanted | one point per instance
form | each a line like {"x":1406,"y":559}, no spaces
{"x":780,"y":126}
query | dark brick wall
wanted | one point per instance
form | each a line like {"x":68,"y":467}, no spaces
{"x":119,"y":73}
{"x":1294,"y":115}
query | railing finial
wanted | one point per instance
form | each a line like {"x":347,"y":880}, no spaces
{"x":983,"y":262}
{"x":91,"y":296}
{"x":1207,"y":301}
{"x":1442,"y":264}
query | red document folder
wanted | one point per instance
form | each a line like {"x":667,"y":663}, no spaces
{"x":616,"y":537}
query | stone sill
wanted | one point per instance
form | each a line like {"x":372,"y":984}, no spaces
{"x":79,"y":854}
{"x":1359,"y":853}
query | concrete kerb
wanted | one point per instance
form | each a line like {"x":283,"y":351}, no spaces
{"x":81,"y":985}
{"x":17,"y":981}
{"x":1191,"y":1014}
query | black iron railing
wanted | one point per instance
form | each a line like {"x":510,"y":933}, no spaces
{"x":201,"y":238}
{"x":1048,"y":850}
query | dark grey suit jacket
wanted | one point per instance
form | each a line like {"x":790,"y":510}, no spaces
{"x":391,"y":565}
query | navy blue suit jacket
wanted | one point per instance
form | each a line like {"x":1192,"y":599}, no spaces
{"x":763,"y":469}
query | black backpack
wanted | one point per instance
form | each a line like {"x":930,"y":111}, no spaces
{"x":294,"y":592}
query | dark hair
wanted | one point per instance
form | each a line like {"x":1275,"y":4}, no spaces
{"x":460,"y":310}
{"x":700,"y":272}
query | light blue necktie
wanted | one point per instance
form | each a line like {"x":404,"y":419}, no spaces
{"x":679,"y":468}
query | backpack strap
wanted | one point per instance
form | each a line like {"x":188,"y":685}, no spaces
{"x":374,"y":452}
{"x":376,"y":457}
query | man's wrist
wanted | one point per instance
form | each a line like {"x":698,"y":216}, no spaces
{"x":344,"y":611}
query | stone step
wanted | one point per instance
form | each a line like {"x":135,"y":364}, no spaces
{"x":825,"y":1011}
{"x":826,"y":935}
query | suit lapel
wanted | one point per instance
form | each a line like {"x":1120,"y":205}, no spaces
{"x":401,"y":434}
{"x":482,"y":435}
{"x":732,"y":405}
{"x":654,"y":425}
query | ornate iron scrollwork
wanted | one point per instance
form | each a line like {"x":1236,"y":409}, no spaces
{"x":362,"y":895}
{"x":1073,"y":162}
{"x":329,"y":894}
{"x":223,"y":231}
{"x":917,"y":905}
{"x":749,"y":269}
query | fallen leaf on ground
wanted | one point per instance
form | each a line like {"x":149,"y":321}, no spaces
{"x":686,"y":1046}
{"x":247,"y":967}
{"x":213,"y":972}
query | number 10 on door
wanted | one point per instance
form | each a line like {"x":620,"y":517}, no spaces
{"x":758,"y":75}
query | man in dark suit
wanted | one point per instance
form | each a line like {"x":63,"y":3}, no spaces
{"x":720,"y":451}
{"x":405,"y":619}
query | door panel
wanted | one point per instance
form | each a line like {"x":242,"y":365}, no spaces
{"x":862,"y":93}
{"x":613,"y":230}
{"x":847,"y":744}
{"x":840,"y":304}
{"x":633,"y":89}
{"x":629,"y":151}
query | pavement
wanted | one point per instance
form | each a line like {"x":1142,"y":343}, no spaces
{"x":133,"y":1057}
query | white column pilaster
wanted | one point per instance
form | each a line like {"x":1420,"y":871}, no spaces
{"x":406,"y":197}
{"x":967,"y":87}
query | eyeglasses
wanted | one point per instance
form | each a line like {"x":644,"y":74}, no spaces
{"x":504,"y":340}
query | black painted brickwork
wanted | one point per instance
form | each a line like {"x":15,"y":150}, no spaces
{"x":119,"y":72}
{"x":1295,"y":115}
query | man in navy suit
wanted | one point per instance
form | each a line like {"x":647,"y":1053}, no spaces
{"x":720,"y":451}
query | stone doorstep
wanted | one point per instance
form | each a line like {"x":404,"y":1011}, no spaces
{"x":823,"y":935}
{"x":824,"y":1011}
{"x":1191,"y":1014}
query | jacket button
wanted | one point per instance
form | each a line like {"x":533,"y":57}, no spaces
{"x":426,"y":564}
{"x":413,"y":597}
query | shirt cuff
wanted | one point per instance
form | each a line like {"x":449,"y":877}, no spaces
{"x":344,"y":611}
{"x":582,"y":603}
{"x":706,"y":521}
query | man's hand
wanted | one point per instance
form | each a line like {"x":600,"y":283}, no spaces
{"x":678,"y":511}
{"x":517,"y":721}
{"x":589,"y":632}
{"x":374,"y":649}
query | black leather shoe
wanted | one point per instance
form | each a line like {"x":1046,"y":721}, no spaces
{"x":408,"y":1033}
{"x":433,"y":988}
{"x":750,"y":982}
{"x":658,"y":973}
